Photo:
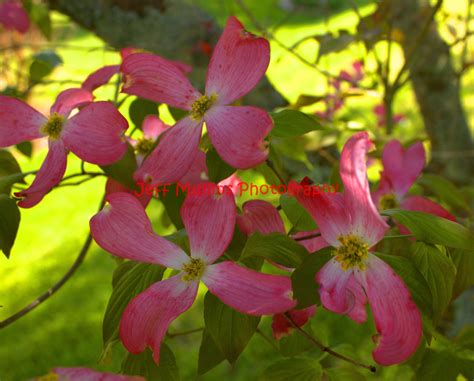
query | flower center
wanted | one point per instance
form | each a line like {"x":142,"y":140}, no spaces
{"x":352,"y":252}
{"x":144,"y":145}
{"x":201,"y":105}
{"x":49,"y":377}
{"x":193,"y":269}
{"x":388,"y":201}
{"x":53,"y":126}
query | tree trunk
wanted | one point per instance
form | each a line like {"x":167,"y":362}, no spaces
{"x":437,"y":90}
{"x":172,"y":28}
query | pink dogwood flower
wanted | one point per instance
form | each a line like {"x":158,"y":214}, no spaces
{"x":94,"y":134}
{"x":85,"y":374}
{"x":238,"y":62}
{"x":351,"y":224}
{"x":13,"y":16}
{"x":261,"y":216}
{"x":123,"y":229}
{"x":401,"y":169}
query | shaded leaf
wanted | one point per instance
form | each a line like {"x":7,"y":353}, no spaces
{"x":293,"y":123}
{"x":141,"y":108}
{"x":9,"y":223}
{"x":123,"y":170}
{"x":209,"y":354}
{"x":296,"y":368}
{"x":143,"y":365}
{"x":217,"y":168}
{"x":298,"y":216}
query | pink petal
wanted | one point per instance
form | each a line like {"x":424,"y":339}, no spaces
{"x":365,"y":218}
{"x":153,"y":127}
{"x":238,"y":62}
{"x":95,"y":134}
{"x":147,"y":318}
{"x":155,"y":78}
{"x":312,"y":244}
{"x":385,"y":187}
{"x":422,"y":204}
{"x":249,"y":291}
{"x":340,"y":292}
{"x":402,"y":166}
{"x":173,"y":156}
{"x":123,"y":229}
{"x":260,"y":216}
{"x":70,"y":99}
{"x":51,"y":172}
{"x":209,"y":220}
{"x":19,"y":122}
{"x":282,"y":327}
{"x":86,"y":374}
{"x":100,"y":77}
{"x":197,"y":173}
{"x":327,"y":209}
{"x":14,"y":17}
{"x":396,"y":316}
{"x":112,"y":186}
{"x":238,"y":132}
{"x":233,"y":182}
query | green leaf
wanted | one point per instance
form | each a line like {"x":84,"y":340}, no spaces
{"x":143,"y":365}
{"x":298,"y":216}
{"x":6,"y":182}
{"x":444,"y":365}
{"x":344,"y":374}
{"x":172,"y":201}
{"x":209,"y":354}
{"x":9,"y":223}
{"x":439,"y":272}
{"x":414,"y":280}
{"x":305,"y":288}
{"x":43,"y":64}
{"x":293,"y":123}
{"x":296,"y":368}
{"x":8,"y":163}
{"x":330,"y":43}
{"x":445,"y":190}
{"x":230,"y":330}
{"x":123,"y":170}
{"x":464,"y":262}
{"x":130,"y":279}
{"x":139,"y":109}
{"x":276,"y":247}
{"x":26,"y":148}
{"x":39,"y":14}
{"x":295,"y":343}
{"x":217,"y":168}
{"x":433,"y":229}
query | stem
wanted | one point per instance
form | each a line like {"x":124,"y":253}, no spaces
{"x":30,"y":307}
{"x":325,"y":348}
{"x":176,"y":334}
{"x":399,"y":236}
{"x":310,"y":236}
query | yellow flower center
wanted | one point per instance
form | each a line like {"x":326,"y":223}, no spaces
{"x":53,"y":126}
{"x":144,"y":145}
{"x":49,"y":377}
{"x":352,"y":252}
{"x":193,"y":269}
{"x":388,"y":201}
{"x":201,"y":105}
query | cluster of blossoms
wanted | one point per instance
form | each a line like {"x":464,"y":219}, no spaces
{"x":349,"y":222}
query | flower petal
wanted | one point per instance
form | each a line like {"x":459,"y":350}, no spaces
{"x":153,"y":77}
{"x":86,"y":374}
{"x":402,"y":166}
{"x":112,"y":186}
{"x":69,"y":99}
{"x":396,"y":316}
{"x":340,"y":291}
{"x":238,"y":132}
{"x":238,"y":62}
{"x":365,"y":218}
{"x":260,"y":216}
{"x":385,"y":187}
{"x":327,"y":209}
{"x":153,"y":127}
{"x":209,"y":220}
{"x":94,"y":134}
{"x":174,"y":154}
{"x":123,"y":229}
{"x":249,"y":291}
{"x":100,"y":77}
{"x":51,"y":172}
{"x":19,"y":122}
{"x":423,"y":204}
{"x":197,"y":173}
{"x":14,"y":17}
{"x":282,"y":327}
{"x":148,"y":316}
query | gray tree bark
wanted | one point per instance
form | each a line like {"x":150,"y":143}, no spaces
{"x":171,"y":28}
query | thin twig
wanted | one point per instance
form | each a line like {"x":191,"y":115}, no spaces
{"x":310,"y":236}
{"x":30,"y":307}
{"x":325,"y":348}
{"x":184,"y":333}
{"x":399,"y":236}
